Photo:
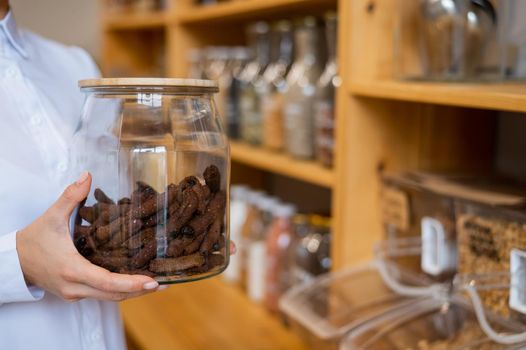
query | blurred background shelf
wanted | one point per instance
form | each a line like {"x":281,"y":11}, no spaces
{"x":248,"y":9}
{"x":506,"y":97}
{"x":278,"y":163}
{"x":135,"y":20}
{"x":207,"y":314}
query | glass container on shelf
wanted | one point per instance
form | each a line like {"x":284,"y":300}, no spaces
{"x":324,"y":108}
{"x":217,"y":68}
{"x":323,"y":310}
{"x":232,"y":81}
{"x":418,"y":207}
{"x":450,"y":40}
{"x":257,"y":250}
{"x":253,"y":213}
{"x":274,"y":85}
{"x":311,"y":254}
{"x":301,"y":81}
{"x":238,"y":213}
{"x":196,"y":61}
{"x":447,"y":324}
{"x":160,"y":178}
{"x":491,"y":224}
{"x":279,"y":238}
{"x":252,"y":83}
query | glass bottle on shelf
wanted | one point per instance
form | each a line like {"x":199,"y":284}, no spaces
{"x":238,"y":59}
{"x":311,"y":255}
{"x":217,"y":68}
{"x":252,"y":80}
{"x":253,"y":213}
{"x":325,"y":97}
{"x":256,"y":249}
{"x":274,"y":85}
{"x":238,"y":214}
{"x":301,"y":81}
{"x":196,"y":62}
{"x":279,"y":238}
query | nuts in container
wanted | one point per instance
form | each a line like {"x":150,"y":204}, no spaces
{"x":486,"y":237}
{"x":160,"y":167}
{"x":491,"y":223}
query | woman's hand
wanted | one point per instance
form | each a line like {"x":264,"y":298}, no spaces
{"x":49,"y":259}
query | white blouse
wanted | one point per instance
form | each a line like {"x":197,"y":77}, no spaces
{"x":40,"y":107}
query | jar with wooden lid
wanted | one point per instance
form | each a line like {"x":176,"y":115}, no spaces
{"x":160,"y":162}
{"x":298,"y":112}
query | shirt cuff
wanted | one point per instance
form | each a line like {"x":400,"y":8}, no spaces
{"x":13,"y":287}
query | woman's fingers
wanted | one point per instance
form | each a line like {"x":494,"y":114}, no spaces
{"x":101,"y":279}
{"x":77,"y":291}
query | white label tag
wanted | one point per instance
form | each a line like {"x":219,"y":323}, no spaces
{"x":518,"y":280}
{"x":439,"y":255}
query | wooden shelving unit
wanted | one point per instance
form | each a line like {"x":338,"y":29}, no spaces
{"x":134,"y":21}
{"x":505,"y":97}
{"x":382,"y":123}
{"x":248,"y":9}
{"x":279,"y":163}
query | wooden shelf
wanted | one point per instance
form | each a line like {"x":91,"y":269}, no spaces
{"x":248,"y":9}
{"x":131,"y":21}
{"x":498,"y":96}
{"x":208,"y":314}
{"x":282,"y":164}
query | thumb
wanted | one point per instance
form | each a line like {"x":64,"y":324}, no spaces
{"x":73,"y":195}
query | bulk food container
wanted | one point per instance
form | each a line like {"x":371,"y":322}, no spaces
{"x":491,"y":226}
{"x":160,"y":164}
{"x":324,"y":310}
{"x":431,"y":324}
{"x":417,"y":208}
{"x":455,"y":40}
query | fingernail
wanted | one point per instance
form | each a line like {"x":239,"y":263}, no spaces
{"x":163,"y":287}
{"x":82,"y":178}
{"x":151,"y":285}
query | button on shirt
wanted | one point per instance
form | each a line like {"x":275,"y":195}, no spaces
{"x":40,"y":107}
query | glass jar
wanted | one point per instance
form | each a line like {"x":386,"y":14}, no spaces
{"x":160,"y":178}
{"x":301,"y":81}
{"x":325,"y":96}
{"x":252,"y":78}
{"x":279,"y":238}
{"x":311,"y":255}
{"x":274,"y":85}
{"x":451,"y":40}
{"x":257,"y":249}
{"x":238,"y":59}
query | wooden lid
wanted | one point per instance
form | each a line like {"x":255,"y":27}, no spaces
{"x":148,"y":82}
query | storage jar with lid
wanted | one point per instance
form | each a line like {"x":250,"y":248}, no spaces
{"x":324,"y":106}
{"x":160,"y":162}
{"x":323,"y":310}
{"x":419,"y":207}
{"x":301,"y":89}
{"x":274,"y":85}
{"x":491,"y":224}
{"x":311,"y":254}
{"x":432,"y":324}
{"x":451,"y":40}
{"x":252,"y":83}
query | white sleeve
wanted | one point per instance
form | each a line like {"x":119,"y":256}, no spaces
{"x":14,"y":287}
